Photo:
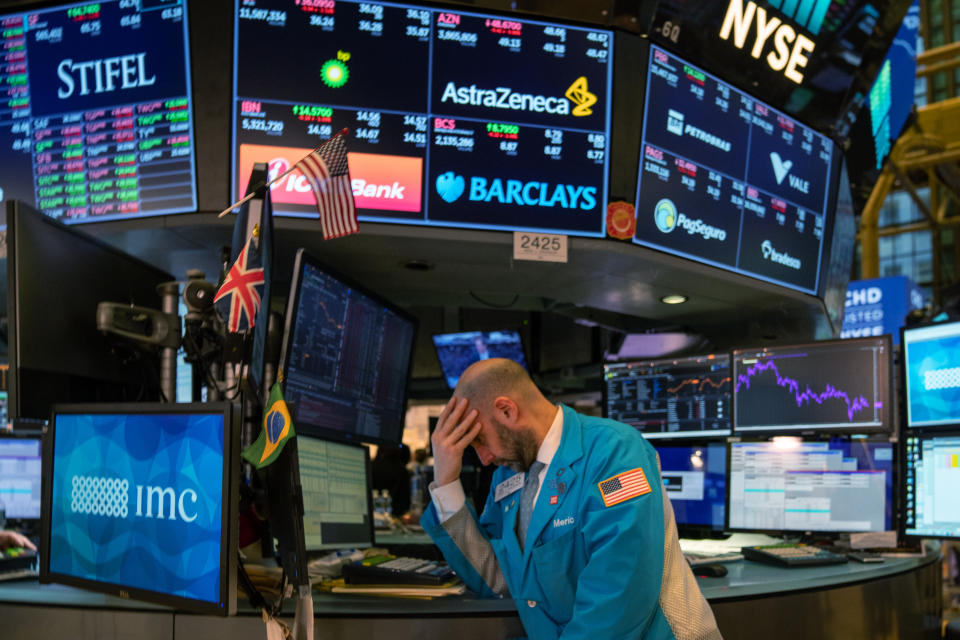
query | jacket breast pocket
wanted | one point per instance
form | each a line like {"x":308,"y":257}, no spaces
{"x":554,"y":564}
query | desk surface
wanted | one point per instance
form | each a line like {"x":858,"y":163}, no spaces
{"x":745,"y":579}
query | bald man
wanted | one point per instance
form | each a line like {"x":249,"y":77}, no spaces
{"x":577,"y":526}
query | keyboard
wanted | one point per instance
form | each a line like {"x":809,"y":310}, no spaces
{"x":390,"y":570}
{"x":792,"y":555}
{"x":694,"y":559}
{"x":18,"y":565}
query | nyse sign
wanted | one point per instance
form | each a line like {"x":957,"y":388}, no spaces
{"x":788,"y":50}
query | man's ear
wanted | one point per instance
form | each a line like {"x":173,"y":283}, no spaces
{"x":506,"y":410}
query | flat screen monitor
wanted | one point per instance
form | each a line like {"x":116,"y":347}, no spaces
{"x":789,"y":485}
{"x":457,"y":351}
{"x":695,"y":478}
{"x":931,"y":502}
{"x":337,"y":505}
{"x":670,"y":397}
{"x":96,"y":116}
{"x":729,"y":181}
{"x":456,"y":118}
{"x":834,"y":385}
{"x":346,"y":357}
{"x":931,"y":365}
{"x":20,"y":475}
{"x":56,"y":276}
{"x":141,"y":501}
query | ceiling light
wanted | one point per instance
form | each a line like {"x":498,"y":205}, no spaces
{"x":675,"y":298}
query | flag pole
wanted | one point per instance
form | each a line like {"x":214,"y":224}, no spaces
{"x":283,"y":175}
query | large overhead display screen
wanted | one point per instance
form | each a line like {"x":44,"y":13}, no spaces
{"x":456,"y":119}
{"x":727,"y":180}
{"x":95,"y":110}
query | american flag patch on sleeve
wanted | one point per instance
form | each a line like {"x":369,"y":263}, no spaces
{"x":623,"y":486}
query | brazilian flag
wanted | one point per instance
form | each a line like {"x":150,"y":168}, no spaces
{"x":277,"y":429}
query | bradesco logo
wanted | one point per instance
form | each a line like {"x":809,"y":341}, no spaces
{"x":450,"y":187}
{"x":667,"y":219}
{"x":788,"y":49}
{"x":391,"y":183}
{"x":577,"y":94}
{"x":771,"y":254}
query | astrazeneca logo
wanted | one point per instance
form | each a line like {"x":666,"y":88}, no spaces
{"x":771,"y":254}
{"x":109,"y":497}
{"x":576,"y":94}
{"x":666,"y":218}
{"x":676,"y":126}
{"x":451,"y":186}
{"x":941,"y":379}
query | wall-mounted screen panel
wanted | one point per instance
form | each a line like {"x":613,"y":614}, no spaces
{"x":931,"y":363}
{"x":670,"y":398}
{"x":832,"y":385}
{"x":457,"y":351}
{"x":456,"y":119}
{"x":96,"y":111}
{"x":727,"y":180}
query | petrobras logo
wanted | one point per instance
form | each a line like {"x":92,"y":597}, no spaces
{"x":577,"y":94}
{"x":667,"y":219}
{"x":675,"y":122}
{"x":110,"y":498}
{"x":771,"y":254}
{"x":677,"y":126}
{"x":451,"y":186}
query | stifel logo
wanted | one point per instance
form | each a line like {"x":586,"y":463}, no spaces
{"x":580,"y":96}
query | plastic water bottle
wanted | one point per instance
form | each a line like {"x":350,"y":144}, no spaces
{"x":387,"y":503}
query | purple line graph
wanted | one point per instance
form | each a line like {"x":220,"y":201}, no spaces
{"x":854,"y":406}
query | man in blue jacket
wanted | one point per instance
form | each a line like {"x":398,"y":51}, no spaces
{"x":577,"y":526}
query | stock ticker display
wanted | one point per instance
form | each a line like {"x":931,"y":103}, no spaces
{"x":843,"y":384}
{"x":95,"y":110}
{"x":670,"y":398}
{"x":455,"y":118}
{"x":727,"y":180}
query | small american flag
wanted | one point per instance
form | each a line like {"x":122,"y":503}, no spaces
{"x":326,"y":170}
{"x":623,"y":486}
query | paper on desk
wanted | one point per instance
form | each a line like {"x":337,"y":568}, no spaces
{"x":734,"y":543}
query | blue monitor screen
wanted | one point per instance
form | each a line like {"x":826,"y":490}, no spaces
{"x":695,"y":478}
{"x":931,"y":502}
{"x":931,"y":357}
{"x":788,"y":485}
{"x":729,"y":181}
{"x":137,"y":501}
{"x":20,"y":478}
{"x":457,"y":351}
{"x":96,"y":110}
{"x":829,"y":385}
{"x":456,"y":118}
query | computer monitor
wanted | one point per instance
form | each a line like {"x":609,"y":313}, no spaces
{"x":695,"y":477}
{"x":141,"y":501}
{"x":56,"y":276}
{"x":841,"y":485}
{"x":931,"y":502}
{"x":20,"y":475}
{"x":457,"y":351}
{"x":337,"y":506}
{"x":96,"y":118}
{"x":670,"y":397}
{"x":346,"y":357}
{"x":931,"y":366}
{"x":834,"y":385}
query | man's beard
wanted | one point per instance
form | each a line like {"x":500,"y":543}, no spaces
{"x":521,"y":447}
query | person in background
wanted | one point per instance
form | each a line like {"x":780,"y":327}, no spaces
{"x":480,"y":343}
{"x":14,"y":540}
{"x":577,"y":527}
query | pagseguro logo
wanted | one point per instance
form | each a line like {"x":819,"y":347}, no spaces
{"x":666,"y":218}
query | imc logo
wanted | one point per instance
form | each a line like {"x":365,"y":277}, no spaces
{"x":110,"y":497}
{"x":787,"y":49}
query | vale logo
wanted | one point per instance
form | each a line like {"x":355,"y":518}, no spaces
{"x":780,"y":167}
{"x":450,"y":186}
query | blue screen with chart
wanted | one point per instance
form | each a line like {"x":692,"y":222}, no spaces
{"x":695,"y":478}
{"x":457,"y":351}
{"x":931,"y":357}
{"x":96,"y":118}
{"x":829,"y":385}
{"x":137,"y":501}
{"x":727,"y":180}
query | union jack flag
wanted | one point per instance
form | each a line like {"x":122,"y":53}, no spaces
{"x":623,"y":486}
{"x":325,"y":168}
{"x":238,"y":299}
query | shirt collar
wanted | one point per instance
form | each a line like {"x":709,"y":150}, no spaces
{"x":551,"y":442}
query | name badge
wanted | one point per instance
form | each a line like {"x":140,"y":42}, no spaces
{"x":508,"y":486}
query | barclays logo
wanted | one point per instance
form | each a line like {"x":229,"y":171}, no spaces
{"x":534,"y":193}
{"x":450,"y":186}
